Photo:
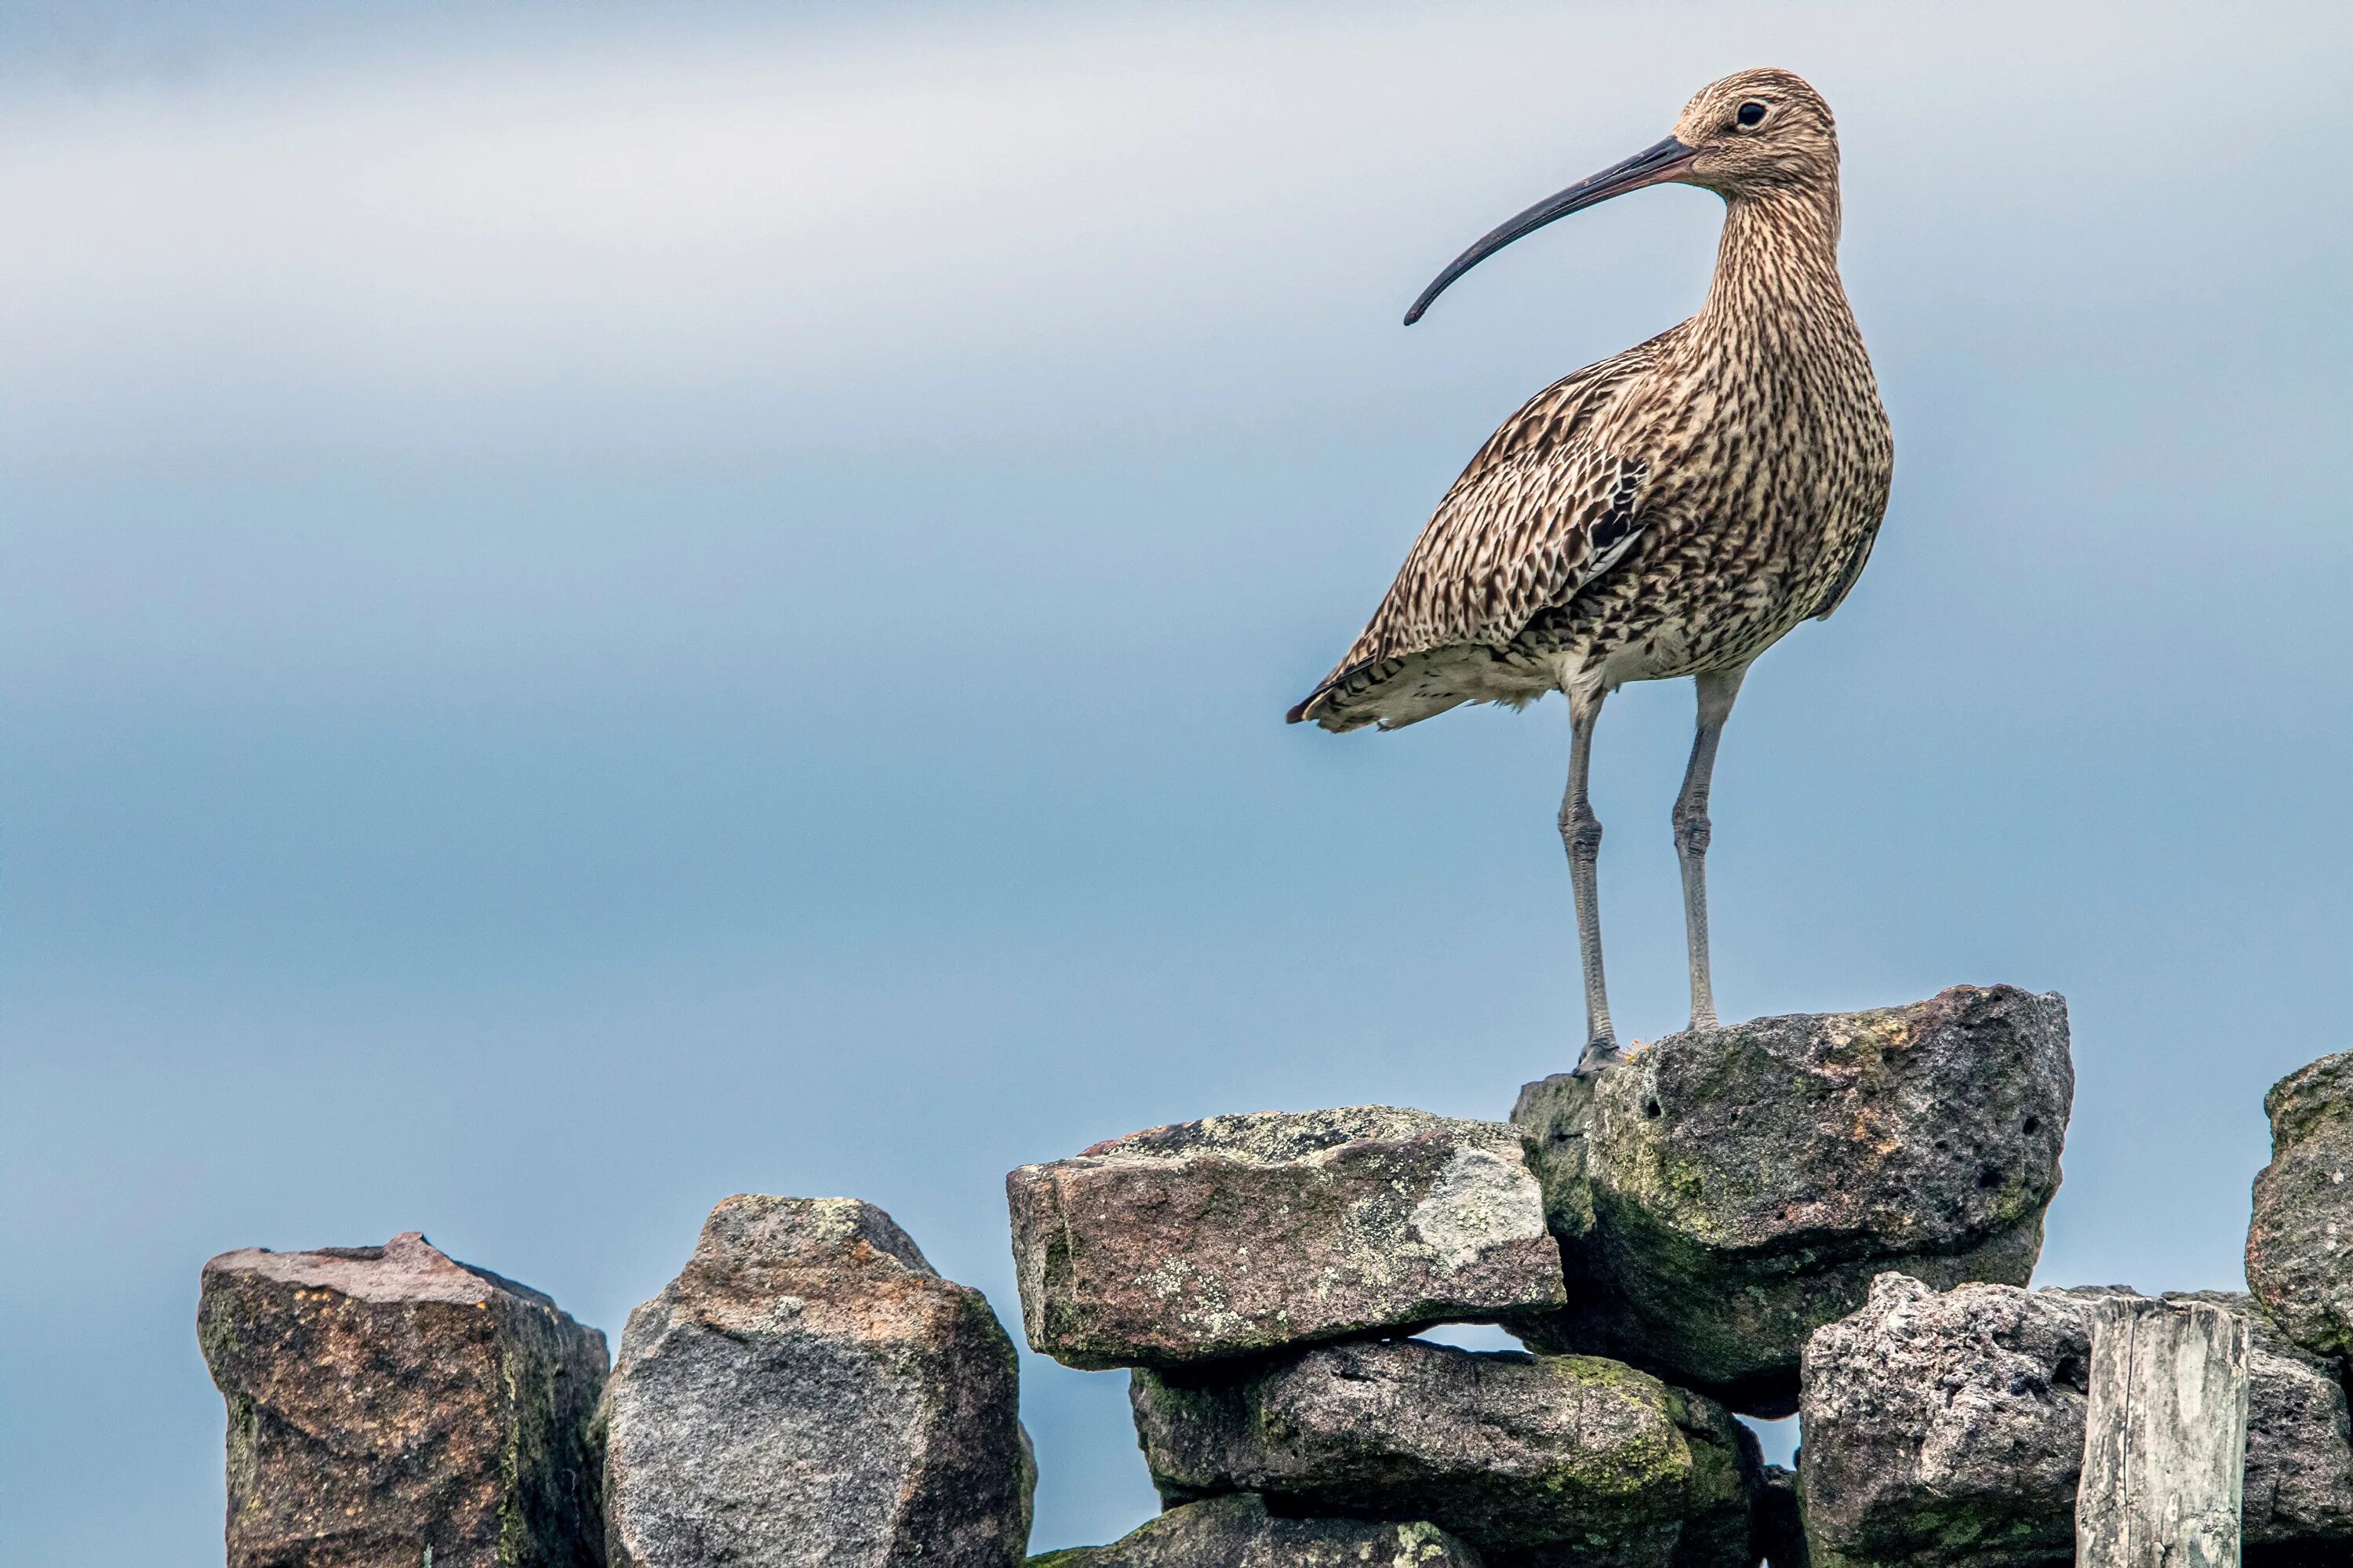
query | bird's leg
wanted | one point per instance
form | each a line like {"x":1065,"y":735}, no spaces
{"x":1580,"y":831}
{"x":1716,"y":693}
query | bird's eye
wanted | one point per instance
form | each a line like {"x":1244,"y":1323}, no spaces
{"x":1752,"y":114}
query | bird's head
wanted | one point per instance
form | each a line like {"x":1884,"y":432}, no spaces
{"x":1751,"y":133}
{"x":1756,"y":131}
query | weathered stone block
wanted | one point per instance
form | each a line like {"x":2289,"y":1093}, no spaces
{"x":1745,"y":1184}
{"x":1244,"y":1234}
{"x":2300,"y":1242}
{"x":1554,"y":1116}
{"x":1236,"y":1532}
{"x":1569,"y":1460}
{"x":809,"y":1393}
{"x":1946,"y":1430}
{"x":389,"y":1405}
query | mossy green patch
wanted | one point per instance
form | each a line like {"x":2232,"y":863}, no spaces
{"x":1647,"y":1452}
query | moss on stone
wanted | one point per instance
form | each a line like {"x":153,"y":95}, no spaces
{"x":1744,"y":1184}
{"x":1654,"y":1457}
{"x":2311,"y":1098}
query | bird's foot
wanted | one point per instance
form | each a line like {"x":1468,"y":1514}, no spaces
{"x":1599,"y":1054}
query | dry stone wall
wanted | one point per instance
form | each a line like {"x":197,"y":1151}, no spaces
{"x":1947,"y":1428}
{"x":1836,"y":1213}
{"x":1706,"y":1205}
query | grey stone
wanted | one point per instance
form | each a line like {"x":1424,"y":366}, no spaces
{"x":1236,"y":1532}
{"x":1246,"y":1234}
{"x":1539,"y":1460}
{"x":1946,"y":1428}
{"x":2300,"y":1240}
{"x":1745,"y":1184}
{"x":809,"y":1393}
{"x":388,"y":1405}
{"x":1556,"y":1116}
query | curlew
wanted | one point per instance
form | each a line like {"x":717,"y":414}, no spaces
{"x":1671,"y":510}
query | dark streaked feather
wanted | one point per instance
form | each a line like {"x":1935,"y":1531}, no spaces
{"x":1539,"y":512}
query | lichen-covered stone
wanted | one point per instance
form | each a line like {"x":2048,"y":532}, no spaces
{"x":809,"y":1393}
{"x":1721,"y":1517}
{"x":1554,"y":1116}
{"x":1246,"y":1234}
{"x":1237,"y":1531}
{"x":1745,"y":1184}
{"x":390,"y":1405}
{"x":1538,"y":1460}
{"x":2300,"y":1242}
{"x":1947,"y":1429}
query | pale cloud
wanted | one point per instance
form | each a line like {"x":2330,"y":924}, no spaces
{"x":961,"y":217}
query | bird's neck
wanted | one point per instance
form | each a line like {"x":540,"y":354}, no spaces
{"x":1776,"y":264}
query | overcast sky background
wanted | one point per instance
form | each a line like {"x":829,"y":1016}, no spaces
{"x":604,"y":606}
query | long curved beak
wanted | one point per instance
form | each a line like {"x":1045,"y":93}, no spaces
{"x":1654,"y":165}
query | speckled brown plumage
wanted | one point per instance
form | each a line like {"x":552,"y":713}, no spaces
{"x":1673,"y":510}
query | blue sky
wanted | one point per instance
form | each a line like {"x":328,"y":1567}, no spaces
{"x":603,"y":606}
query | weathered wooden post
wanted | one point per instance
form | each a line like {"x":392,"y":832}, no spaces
{"x":2165,"y":1438}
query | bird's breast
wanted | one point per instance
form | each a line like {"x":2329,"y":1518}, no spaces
{"x":1763,"y":479}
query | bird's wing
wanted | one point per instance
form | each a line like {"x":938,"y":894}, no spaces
{"x":1541,"y":512}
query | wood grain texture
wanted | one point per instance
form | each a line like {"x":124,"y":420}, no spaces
{"x":2164,"y":1438}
